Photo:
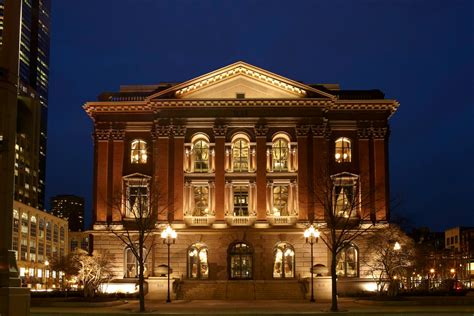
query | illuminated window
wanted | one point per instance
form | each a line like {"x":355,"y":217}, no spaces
{"x":201,"y":155}
{"x":241,"y":200}
{"x":280,"y":200}
{"x":201,"y":200}
{"x":240,"y":155}
{"x":345,"y":197}
{"x":241,"y":261}
{"x":132,"y":266}
{"x":284,"y":261}
{"x":280,"y":151}
{"x":198,"y":267}
{"x":137,"y":197}
{"x":343,"y":150}
{"x":348,"y":262}
{"x":138,"y":152}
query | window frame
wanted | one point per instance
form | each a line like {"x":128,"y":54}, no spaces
{"x":250,"y":254}
{"x":241,"y":149}
{"x":135,"y":181}
{"x":197,"y":248}
{"x":346,"y":180}
{"x":140,"y":153}
{"x":343,"y":146}
{"x":284,"y":246}
{"x":199,"y":149}
{"x":280,"y":139}
{"x":345,"y":250}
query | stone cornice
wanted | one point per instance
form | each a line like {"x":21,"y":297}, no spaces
{"x":220,"y":130}
{"x":261,"y":130}
{"x":117,"y":134}
{"x":155,"y":105}
{"x":303,"y":130}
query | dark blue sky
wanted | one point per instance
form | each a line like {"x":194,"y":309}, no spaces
{"x":418,"y":52}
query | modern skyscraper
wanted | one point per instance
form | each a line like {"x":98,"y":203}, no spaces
{"x":30,"y":144}
{"x":70,"y":207}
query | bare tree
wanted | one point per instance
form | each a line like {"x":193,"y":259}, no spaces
{"x":138,"y":212}
{"x":390,"y":256}
{"x":92,"y":269}
{"x":347,"y":213}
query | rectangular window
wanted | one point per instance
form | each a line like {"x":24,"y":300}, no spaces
{"x":137,"y":204}
{"x":240,"y":95}
{"x":201,"y":200}
{"x":55,"y":233}
{"x":241,"y":200}
{"x":280,"y":200}
{"x":48,"y":231}
{"x":345,"y":197}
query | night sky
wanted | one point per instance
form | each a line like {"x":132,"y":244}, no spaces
{"x":418,"y":52}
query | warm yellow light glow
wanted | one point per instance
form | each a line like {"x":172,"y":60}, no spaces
{"x":369,"y":286}
{"x":169,"y":232}
{"x":452,"y":270}
{"x":118,"y":288}
{"x":432,"y":270}
{"x":397,"y":246}
{"x":312,"y":232}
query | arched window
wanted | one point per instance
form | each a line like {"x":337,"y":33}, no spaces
{"x":280,"y":153}
{"x":241,"y":261}
{"x":348,"y":261}
{"x":138,"y":151}
{"x":198,"y":266}
{"x":283,"y":261}
{"x":131,"y":264}
{"x":201,"y":155}
{"x":240,"y":154}
{"x":343,"y":150}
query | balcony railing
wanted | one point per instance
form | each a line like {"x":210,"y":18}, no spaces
{"x":199,"y":220}
{"x":240,"y":220}
{"x":282,"y":220}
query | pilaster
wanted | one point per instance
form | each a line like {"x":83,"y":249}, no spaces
{"x":365,"y":168}
{"x":261,"y":135}
{"x":219,"y":135}
{"x":320,"y":168}
{"x":305,"y":187}
{"x":117,"y":136}
{"x":178,"y":172}
{"x":380,"y":169}
{"x":101,"y":137}
{"x":161,"y":155}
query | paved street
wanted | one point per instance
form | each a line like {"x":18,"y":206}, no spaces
{"x":350,"y":307}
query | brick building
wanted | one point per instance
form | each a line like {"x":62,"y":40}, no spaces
{"x":235,"y":156}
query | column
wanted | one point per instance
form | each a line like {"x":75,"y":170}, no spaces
{"x":261,"y":133}
{"x":365,"y":174}
{"x":305,"y":187}
{"x":117,"y":168}
{"x":380,"y":173}
{"x":219,"y":135}
{"x":320,"y":170}
{"x":101,"y":174}
{"x":178,"y":172}
{"x":161,"y":170}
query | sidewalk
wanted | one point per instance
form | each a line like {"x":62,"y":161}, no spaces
{"x":349,"y":306}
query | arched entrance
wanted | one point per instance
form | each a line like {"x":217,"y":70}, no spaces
{"x":240,"y":261}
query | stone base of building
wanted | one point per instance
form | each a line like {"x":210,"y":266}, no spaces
{"x":14,"y":301}
{"x":158,"y":288}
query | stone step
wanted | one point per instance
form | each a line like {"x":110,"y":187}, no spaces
{"x":241,"y":290}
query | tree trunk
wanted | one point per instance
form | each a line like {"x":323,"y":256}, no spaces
{"x":141,"y":281}
{"x":333,"y":283}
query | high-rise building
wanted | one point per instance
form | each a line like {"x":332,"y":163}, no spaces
{"x":71,"y":208}
{"x":30,"y":145}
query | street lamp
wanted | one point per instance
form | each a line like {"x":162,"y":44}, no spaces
{"x":432,"y":271}
{"x":397,"y":246}
{"x":312,"y":236}
{"x":169,"y":237}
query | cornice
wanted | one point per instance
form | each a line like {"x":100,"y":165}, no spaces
{"x":303,"y":130}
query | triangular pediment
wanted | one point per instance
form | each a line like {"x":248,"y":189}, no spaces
{"x":240,"y":80}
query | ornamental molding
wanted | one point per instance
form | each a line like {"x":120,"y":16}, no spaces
{"x":101,"y":134}
{"x":117,"y":134}
{"x":178,"y":130}
{"x":321,"y":130}
{"x":242,"y":70}
{"x":220,"y":130}
{"x":363,"y":132}
{"x":161,"y":131}
{"x":303,"y":130}
{"x":379,"y":132}
{"x":177,"y":103}
{"x":261,"y":130}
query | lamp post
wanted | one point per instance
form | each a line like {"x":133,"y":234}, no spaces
{"x":312,"y":236}
{"x":169,"y":237}
{"x":432,"y":272}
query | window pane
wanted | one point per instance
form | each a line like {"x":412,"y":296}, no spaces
{"x":280,"y":155}
{"x":201,"y":156}
{"x":138,"y":153}
{"x":240,"y":155}
{"x":280,"y":200}
{"x":241,"y":200}
{"x":343,"y":150}
{"x":201,"y":200}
